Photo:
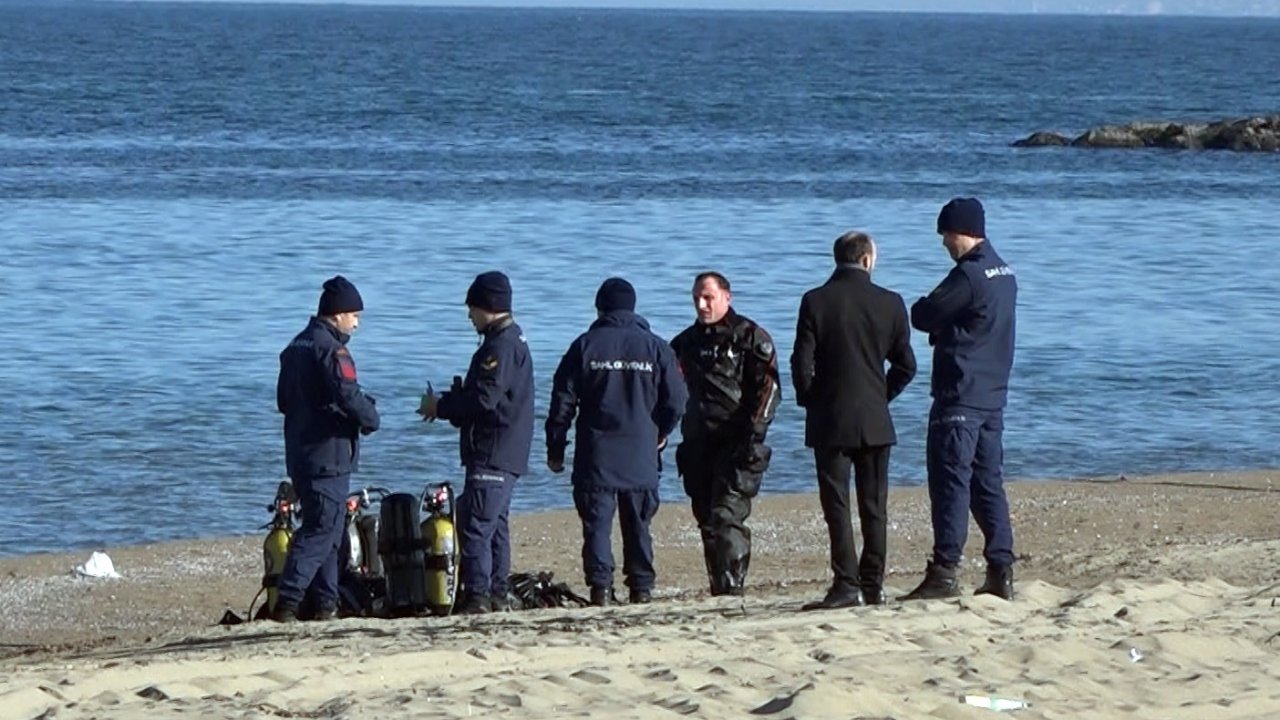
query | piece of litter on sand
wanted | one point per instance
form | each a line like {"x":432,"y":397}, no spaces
{"x":991,"y":702}
{"x":1135,"y":655}
{"x":97,"y":566}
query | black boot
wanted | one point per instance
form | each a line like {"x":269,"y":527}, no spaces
{"x":640,"y":597}
{"x":475,"y":605}
{"x":602,"y":596}
{"x":940,"y":581}
{"x":999,"y":582}
{"x":285,"y":613}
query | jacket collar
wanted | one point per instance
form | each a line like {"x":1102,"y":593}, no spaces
{"x":620,"y":318}
{"x":341,"y":337}
{"x":498,"y":325}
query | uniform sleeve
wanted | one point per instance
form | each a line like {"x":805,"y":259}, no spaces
{"x":902,"y":359}
{"x":487,"y":383}
{"x":761,"y":391}
{"x":564,"y":401}
{"x":672,"y":393}
{"x":803,"y":353}
{"x":281,"y":405}
{"x":340,"y":374}
{"x":938,"y":311}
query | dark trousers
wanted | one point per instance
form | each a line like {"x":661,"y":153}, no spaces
{"x":484,"y":536}
{"x":313,"y":553}
{"x":635,"y":508}
{"x":965,"y":458}
{"x":871,"y":482}
{"x":720,"y":494}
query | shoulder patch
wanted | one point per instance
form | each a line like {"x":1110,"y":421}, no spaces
{"x":346,"y":366}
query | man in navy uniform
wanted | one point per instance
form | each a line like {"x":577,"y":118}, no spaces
{"x":970,"y":320}
{"x":622,"y":382}
{"x":493,"y":407}
{"x":325,"y":413}
{"x":731,"y":369}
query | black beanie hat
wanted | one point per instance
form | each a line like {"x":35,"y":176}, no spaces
{"x":615,"y":294}
{"x":964,"y":216}
{"x":339,"y":296}
{"x":490,"y":291}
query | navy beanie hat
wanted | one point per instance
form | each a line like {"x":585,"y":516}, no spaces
{"x":490,"y":291}
{"x":615,"y":294}
{"x":964,"y":216}
{"x":339,"y":296}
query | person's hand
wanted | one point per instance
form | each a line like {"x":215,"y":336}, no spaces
{"x":429,"y":406}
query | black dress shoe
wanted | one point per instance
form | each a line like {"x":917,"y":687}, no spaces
{"x":326,"y":614}
{"x":999,"y":582}
{"x":640,"y":597}
{"x":874,"y":594}
{"x":839,"y":596}
{"x":940,"y":581}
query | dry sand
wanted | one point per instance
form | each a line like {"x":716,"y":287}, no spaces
{"x":1140,"y":598}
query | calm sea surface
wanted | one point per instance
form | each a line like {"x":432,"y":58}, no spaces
{"x":177,"y":180}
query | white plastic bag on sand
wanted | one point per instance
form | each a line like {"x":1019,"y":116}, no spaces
{"x":97,"y":566}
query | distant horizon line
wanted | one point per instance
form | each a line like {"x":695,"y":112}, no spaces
{"x":637,"y":5}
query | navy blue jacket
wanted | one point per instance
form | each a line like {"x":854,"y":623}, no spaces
{"x":623,"y":383}
{"x":970,"y":319}
{"x":494,"y":406}
{"x":325,"y":411}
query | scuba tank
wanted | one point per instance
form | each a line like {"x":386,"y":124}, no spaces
{"x":360,"y":546}
{"x":275,"y":547}
{"x":439,"y":540}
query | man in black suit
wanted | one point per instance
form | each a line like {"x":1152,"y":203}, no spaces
{"x":847,"y":330}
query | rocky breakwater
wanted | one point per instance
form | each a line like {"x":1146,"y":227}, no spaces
{"x":1254,"y":134}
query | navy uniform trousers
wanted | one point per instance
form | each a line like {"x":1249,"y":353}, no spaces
{"x":965,"y":453}
{"x":484,"y":535}
{"x":312,"y":563}
{"x":635,"y":508}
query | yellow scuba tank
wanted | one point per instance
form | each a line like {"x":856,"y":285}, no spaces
{"x":275,"y":547}
{"x":439,"y":540}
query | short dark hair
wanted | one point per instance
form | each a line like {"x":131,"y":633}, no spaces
{"x":852,"y":247}
{"x":721,"y":280}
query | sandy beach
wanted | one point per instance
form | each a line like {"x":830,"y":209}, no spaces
{"x":1151,"y":597}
